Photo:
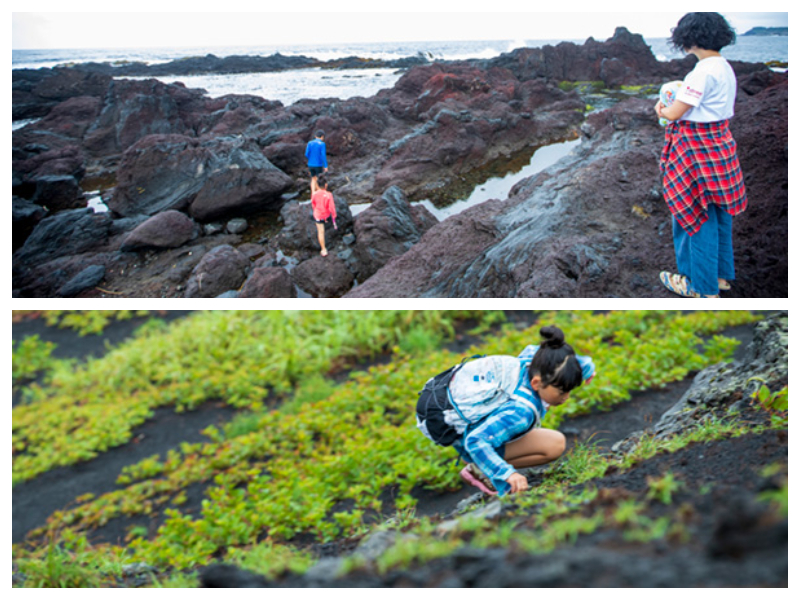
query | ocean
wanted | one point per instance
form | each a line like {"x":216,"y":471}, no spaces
{"x":290,"y":86}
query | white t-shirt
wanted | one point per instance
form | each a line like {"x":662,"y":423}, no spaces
{"x":711,"y":91}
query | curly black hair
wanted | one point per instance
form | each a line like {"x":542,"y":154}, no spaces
{"x":706,"y":30}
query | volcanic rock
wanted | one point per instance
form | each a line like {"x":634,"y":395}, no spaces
{"x":324,"y":276}
{"x":24,"y":217}
{"x":595,"y":224}
{"x":221,"y":269}
{"x":299,"y":230}
{"x":36,"y":91}
{"x":88,"y":278}
{"x":268,"y":282}
{"x":388,"y":228}
{"x":168,"y":229}
{"x":58,"y":192}
{"x":68,"y":232}
{"x":210,"y":178}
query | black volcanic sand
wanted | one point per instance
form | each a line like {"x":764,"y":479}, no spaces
{"x":729,"y":464}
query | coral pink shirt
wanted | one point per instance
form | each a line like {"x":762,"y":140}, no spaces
{"x":322,"y":205}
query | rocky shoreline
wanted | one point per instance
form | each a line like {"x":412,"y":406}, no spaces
{"x":186,"y":176}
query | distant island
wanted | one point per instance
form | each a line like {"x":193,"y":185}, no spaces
{"x":768,"y":31}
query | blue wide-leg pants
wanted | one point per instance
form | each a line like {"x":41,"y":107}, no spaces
{"x":708,"y":254}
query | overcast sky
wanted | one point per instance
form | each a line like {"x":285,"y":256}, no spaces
{"x":102,"y":29}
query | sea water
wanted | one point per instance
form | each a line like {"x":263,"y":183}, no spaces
{"x":290,"y":86}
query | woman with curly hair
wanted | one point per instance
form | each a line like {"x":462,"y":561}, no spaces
{"x":702,"y":177}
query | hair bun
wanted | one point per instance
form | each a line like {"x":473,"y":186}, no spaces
{"x":552,"y":337}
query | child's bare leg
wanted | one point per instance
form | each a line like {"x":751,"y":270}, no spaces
{"x":314,"y":186}
{"x":537,"y":447}
{"x":321,"y":238}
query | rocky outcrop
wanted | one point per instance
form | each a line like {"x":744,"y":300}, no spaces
{"x":66,"y":233}
{"x":24,"y":217}
{"x":168,"y":229}
{"x":36,"y":91}
{"x":222,"y":269}
{"x":58,"y":192}
{"x":765,"y":362}
{"x":324,"y":276}
{"x":595,"y":224}
{"x":268,"y":282}
{"x":299,"y":232}
{"x":623,"y":59}
{"x":209,"y":178}
{"x":88,"y":278}
{"x":212,"y":64}
{"x":388,"y":228}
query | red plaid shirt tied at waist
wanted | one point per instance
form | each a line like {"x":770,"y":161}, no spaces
{"x":700,"y":166}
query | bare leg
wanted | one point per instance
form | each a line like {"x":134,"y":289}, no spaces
{"x":537,"y":447}
{"x":321,"y":238}
{"x":314,"y":186}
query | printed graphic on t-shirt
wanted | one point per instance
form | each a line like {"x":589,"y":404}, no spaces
{"x":692,"y":92}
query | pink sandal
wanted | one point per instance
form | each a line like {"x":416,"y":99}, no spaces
{"x":466,"y":475}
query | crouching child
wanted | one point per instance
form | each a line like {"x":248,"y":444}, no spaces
{"x":490,"y":410}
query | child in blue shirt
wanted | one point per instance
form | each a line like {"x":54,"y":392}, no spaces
{"x":317,"y":158}
{"x":510,"y":436}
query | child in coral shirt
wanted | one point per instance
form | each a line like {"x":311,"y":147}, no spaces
{"x":323,"y":208}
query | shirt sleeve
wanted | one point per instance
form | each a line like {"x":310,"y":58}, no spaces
{"x":332,"y":204}
{"x":324,"y":155}
{"x":587,"y":368}
{"x":693,"y":88}
{"x":505,"y":424}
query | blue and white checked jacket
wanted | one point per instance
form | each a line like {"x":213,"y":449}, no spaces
{"x":483,"y":443}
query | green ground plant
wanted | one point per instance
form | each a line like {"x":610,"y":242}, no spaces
{"x":29,"y":357}
{"x":238,"y":356}
{"x":284,"y":474}
{"x":776,"y":403}
{"x":661,"y":489}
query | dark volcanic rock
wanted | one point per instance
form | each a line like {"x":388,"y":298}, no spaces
{"x":36,"y":91}
{"x":168,"y":229}
{"x":42,"y":161}
{"x":89,"y":277}
{"x":268,"y":282}
{"x":58,"y":192}
{"x":135,"y":109}
{"x":324,"y":276}
{"x":594,"y":227}
{"x":68,"y":232}
{"x":210,"y":178}
{"x":624,"y":59}
{"x":446,"y":247}
{"x":220,"y":270}
{"x":388,"y":228}
{"x":299,"y":230}
{"x":465,"y":118}
{"x":24,"y":217}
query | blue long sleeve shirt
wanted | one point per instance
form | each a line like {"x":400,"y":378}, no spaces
{"x":484,"y":443}
{"x":315,"y":153}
